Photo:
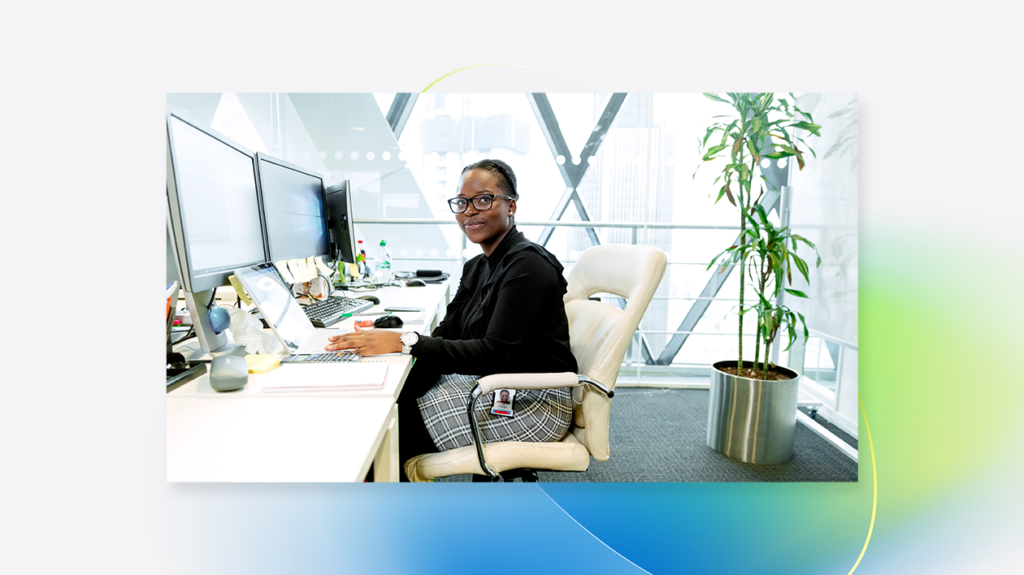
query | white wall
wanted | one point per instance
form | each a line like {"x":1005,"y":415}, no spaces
{"x":823,"y":209}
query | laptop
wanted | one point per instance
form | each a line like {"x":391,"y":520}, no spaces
{"x":282,"y":311}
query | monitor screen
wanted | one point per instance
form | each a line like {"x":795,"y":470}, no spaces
{"x":340,"y":222}
{"x":218,"y":207}
{"x":293,"y":202}
{"x":277,"y":304}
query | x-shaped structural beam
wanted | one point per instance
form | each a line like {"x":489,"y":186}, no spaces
{"x":401,"y":108}
{"x":572,"y":173}
{"x":769,"y":202}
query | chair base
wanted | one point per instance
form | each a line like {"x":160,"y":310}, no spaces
{"x":566,"y":455}
{"x":524,"y":475}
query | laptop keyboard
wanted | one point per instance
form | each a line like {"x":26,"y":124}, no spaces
{"x":330,"y":311}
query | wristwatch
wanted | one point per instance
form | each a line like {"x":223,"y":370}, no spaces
{"x":409,"y":339}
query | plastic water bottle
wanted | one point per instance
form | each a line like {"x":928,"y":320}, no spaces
{"x":382,"y":264}
{"x":364,"y":270}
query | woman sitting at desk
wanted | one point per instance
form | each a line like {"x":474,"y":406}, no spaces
{"x":507,"y":317}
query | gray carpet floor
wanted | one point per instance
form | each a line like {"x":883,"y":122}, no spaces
{"x":660,"y":435}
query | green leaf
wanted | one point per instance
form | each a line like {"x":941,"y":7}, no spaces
{"x":727,"y":131}
{"x":753,"y":151}
{"x":808,"y":242}
{"x":720,"y":254}
{"x":763,"y":214}
{"x":812,"y":128}
{"x":707,"y":135}
{"x":756,"y":226}
{"x":790,"y":335}
{"x":808,"y":147}
{"x":715,"y":97}
{"x":712,"y":151}
{"x":796,"y":292}
{"x":804,"y":240}
{"x":802,"y":266}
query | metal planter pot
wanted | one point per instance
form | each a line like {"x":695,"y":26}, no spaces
{"x":751,"y":420}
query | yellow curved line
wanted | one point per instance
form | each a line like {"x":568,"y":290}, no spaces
{"x":874,"y":477}
{"x":431,"y":85}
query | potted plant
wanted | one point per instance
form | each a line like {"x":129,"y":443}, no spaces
{"x":752,"y":406}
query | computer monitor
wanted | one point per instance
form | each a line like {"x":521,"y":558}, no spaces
{"x":293,"y":208}
{"x":339,"y":222}
{"x":213,"y":214}
{"x":173,"y":274}
{"x":214,"y":204}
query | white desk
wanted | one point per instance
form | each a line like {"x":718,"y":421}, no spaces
{"x":248,"y":435}
{"x":293,"y":439}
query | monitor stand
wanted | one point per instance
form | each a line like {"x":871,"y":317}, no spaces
{"x":210,"y":343}
{"x":193,"y":352}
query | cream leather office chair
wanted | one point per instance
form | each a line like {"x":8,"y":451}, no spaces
{"x":599,"y":335}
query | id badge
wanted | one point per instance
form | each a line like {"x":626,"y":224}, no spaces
{"x":503,"y":402}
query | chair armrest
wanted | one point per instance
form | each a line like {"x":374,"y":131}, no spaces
{"x":527,"y":381}
{"x":489,"y":383}
{"x":537,"y":381}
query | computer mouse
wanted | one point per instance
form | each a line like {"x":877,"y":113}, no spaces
{"x":219,"y":319}
{"x":415,"y":283}
{"x":228,"y":372}
{"x":388,"y":321}
{"x":375,"y":300}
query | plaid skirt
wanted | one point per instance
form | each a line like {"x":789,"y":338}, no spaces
{"x":540,"y":415}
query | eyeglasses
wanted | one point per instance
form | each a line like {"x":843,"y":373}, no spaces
{"x":482,"y":203}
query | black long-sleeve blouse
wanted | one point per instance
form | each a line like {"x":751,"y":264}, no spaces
{"x":507,"y":315}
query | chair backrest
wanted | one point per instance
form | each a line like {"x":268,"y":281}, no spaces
{"x":600,"y":333}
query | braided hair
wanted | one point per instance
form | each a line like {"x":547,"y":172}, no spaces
{"x":498,"y":168}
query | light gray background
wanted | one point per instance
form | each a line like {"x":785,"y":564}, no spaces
{"x":82,"y":148}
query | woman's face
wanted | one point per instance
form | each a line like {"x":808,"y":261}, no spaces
{"x":486,"y":228}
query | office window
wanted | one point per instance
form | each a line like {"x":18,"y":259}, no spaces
{"x":446,"y":132}
{"x":642,"y":173}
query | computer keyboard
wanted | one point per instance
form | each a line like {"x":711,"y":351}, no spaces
{"x":335,"y":357}
{"x":330,"y":311}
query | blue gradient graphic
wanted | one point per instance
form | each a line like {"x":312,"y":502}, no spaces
{"x":953,"y":514}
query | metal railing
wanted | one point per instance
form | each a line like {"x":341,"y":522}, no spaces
{"x":635,"y":227}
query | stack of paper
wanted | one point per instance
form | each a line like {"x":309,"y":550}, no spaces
{"x":326,"y":377}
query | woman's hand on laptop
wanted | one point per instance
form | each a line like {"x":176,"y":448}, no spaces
{"x":372,"y":342}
